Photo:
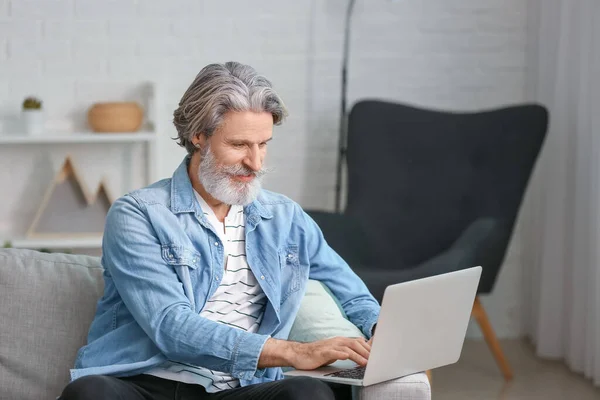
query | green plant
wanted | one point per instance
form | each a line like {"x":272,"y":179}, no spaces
{"x":7,"y":245}
{"x":32,"y":103}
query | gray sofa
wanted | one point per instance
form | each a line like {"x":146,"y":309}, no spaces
{"x":47,"y":302}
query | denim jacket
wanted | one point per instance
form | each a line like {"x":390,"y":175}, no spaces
{"x":162,"y":261}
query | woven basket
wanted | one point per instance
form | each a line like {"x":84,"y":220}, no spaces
{"x":115,"y":117}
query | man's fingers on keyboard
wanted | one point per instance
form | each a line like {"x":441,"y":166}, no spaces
{"x":359,"y":348}
{"x":365,"y":344}
{"x":360,"y":340}
{"x":351,"y":354}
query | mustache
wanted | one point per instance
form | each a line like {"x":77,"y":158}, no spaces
{"x":241,"y":170}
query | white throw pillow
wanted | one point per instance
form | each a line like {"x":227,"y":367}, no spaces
{"x":321,"y":317}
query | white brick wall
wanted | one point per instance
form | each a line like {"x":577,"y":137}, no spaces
{"x":457,"y":54}
{"x":41,"y":9}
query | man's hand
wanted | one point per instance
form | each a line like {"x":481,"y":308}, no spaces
{"x":323,"y":352}
{"x":307,"y":356}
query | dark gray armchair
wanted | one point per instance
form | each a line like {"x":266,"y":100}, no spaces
{"x":431,"y":192}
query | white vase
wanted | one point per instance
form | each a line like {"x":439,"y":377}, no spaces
{"x":33,"y":121}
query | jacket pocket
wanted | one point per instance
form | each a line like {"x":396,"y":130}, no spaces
{"x":185,"y":261}
{"x":179,"y":255}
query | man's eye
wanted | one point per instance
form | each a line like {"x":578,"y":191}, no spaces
{"x":238,"y":145}
{"x":263,"y":144}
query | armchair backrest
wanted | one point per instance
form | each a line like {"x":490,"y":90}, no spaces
{"x":417,"y":178}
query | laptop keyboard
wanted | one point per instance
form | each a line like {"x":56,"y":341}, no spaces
{"x":352,"y":373}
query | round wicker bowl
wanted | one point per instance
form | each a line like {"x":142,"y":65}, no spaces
{"x":115,"y":117}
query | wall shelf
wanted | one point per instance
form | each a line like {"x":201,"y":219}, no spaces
{"x":81,"y":137}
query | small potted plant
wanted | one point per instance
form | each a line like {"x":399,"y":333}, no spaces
{"x":33,"y":116}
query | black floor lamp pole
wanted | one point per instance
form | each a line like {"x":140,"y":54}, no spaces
{"x":343,"y":117}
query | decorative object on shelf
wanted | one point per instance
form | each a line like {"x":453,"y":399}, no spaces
{"x":32,"y":116}
{"x":115,"y":117}
{"x":68,"y":209}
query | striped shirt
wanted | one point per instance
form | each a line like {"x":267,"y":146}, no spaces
{"x":238,"y":301}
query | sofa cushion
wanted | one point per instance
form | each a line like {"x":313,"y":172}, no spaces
{"x":48,"y":302}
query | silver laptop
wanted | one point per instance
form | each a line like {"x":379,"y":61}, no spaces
{"x":422,"y":325}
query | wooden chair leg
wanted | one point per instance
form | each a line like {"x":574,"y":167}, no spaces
{"x":490,"y":337}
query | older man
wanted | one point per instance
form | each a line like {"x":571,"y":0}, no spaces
{"x":205,"y":271}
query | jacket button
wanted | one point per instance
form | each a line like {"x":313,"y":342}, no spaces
{"x":216,"y":243}
{"x":262,"y":277}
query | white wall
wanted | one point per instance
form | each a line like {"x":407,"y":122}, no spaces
{"x":457,"y":54}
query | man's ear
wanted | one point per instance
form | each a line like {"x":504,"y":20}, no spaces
{"x":199,"y":141}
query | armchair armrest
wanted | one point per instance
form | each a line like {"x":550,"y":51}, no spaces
{"x":469,"y":250}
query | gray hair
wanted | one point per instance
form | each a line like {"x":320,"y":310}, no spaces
{"x":218,"y":89}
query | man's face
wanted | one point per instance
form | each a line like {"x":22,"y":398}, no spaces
{"x":232,"y":159}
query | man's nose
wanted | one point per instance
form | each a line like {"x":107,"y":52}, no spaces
{"x":253,"y":160}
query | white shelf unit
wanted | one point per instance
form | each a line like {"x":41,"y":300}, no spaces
{"x":146,"y":138}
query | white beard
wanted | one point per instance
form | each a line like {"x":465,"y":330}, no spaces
{"x":217,"y":181}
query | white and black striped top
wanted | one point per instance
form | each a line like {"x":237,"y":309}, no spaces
{"x":238,"y":301}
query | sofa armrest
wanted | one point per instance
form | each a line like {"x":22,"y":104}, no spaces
{"x":413,"y":387}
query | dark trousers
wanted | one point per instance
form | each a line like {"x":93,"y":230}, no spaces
{"x":147,"y":387}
